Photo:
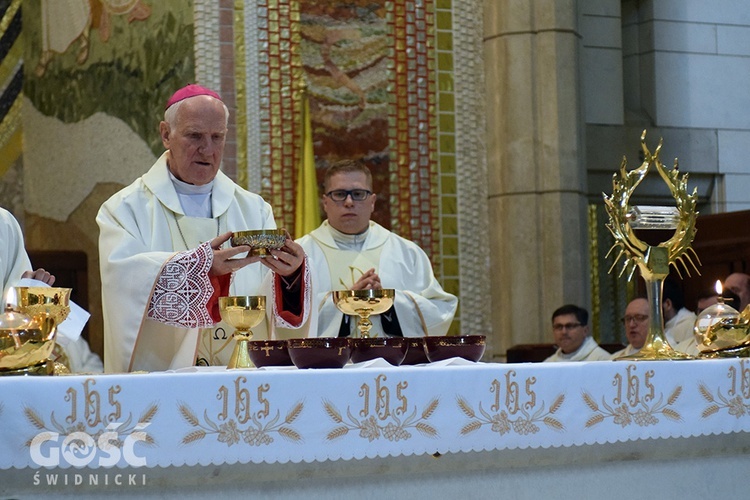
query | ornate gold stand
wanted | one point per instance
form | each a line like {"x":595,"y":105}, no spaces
{"x":652,"y":261}
{"x":656,"y":346}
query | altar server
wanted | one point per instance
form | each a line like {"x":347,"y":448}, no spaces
{"x":16,"y":266}
{"x":163,"y":256}
{"x":570,"y":328}
{"x":349,"y":251}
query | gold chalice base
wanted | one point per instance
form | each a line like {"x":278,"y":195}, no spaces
{"x":652,"y":354}
{"x":47,"y":367}
{"x":243,"y":312}
{"x":656,"y":350}
{"x":364,"y":303}
{"x":738,"y":351}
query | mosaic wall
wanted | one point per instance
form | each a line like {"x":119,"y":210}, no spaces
{"x":381,"y":79}
{"x":369,"y":71}
{"x":96,"y":75}
{"x":383,"y":83}
{"x":11,"y":82}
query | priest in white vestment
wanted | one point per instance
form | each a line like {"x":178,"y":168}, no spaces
{"x":349,"y":251}
{"x":570,"y":328}
{"x":636,"y":318}
{"x":164,"y":257}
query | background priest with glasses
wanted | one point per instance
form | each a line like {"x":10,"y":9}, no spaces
{"x":349,"y":251}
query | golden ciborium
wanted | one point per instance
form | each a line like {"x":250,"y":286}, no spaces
{"x":652,"y":261}
{"x":28,"y":331}
{"x":725,"y":337}
{"x":243,"y":312}
{"x":262,"y":241}
{"x":364,"y":303}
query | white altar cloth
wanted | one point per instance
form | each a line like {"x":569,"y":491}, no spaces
{"x":278,"y":416}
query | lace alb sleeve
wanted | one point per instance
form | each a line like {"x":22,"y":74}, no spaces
{"x":183,"y":289}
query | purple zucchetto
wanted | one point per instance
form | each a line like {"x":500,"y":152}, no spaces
{"x":188,"y":91}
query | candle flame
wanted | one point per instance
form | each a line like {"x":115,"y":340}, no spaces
{"x":719,"y":288}
{"x":10,"y":298}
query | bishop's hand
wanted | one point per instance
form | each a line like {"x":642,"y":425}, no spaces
{"x":225,"y":259}
{"x":286,"y":260}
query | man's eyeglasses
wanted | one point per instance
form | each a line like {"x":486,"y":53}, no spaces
{"x":342,"y":194}
{"x":566,"y":326}
{"x":638,"y":318}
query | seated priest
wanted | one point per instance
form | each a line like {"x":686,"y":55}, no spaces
{"x":678,"y":320}
{"x":636,"y":318}
{"x":164,"y":255}
{"x":570,"y":329}
{"x":349,"y":251}
{"x":16,"y":270}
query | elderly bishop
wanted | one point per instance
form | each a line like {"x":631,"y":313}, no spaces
{"x":164,"y":256}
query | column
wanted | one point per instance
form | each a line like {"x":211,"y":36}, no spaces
{"x":537,"y":180}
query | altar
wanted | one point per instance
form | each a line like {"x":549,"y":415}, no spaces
{"x":565,"y":430}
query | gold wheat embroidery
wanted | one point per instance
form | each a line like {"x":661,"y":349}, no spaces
{"x":229,"y":432}
{"x":124,"y":429}
{"x":370,"y":429}
{"x":501,"y":423}
{"x":735,"y":406}
{"x":623,"y":415}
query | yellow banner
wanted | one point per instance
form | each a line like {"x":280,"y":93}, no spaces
{"x":307,"y":204}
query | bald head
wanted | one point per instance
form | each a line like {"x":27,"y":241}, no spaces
{"x":636,"y":318}
{"x":195,"y":138}
{"x":739,"y":283}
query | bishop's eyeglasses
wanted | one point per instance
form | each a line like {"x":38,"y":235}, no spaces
{"x":342,"y":194}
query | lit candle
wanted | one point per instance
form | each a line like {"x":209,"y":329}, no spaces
{"x":11,"y":300}
{"x":719,"y":288}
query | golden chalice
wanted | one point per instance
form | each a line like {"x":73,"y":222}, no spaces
{"x":243,"y":312}
{"x":27,"y":333}
{"x":36,"y":300}
{"x":364,"y":303}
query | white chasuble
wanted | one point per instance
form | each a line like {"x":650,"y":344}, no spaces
{"x":154,"y":293}
{"x":346,"y":267}
{"x":13,"y":258}
{"x":422,"y":306}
